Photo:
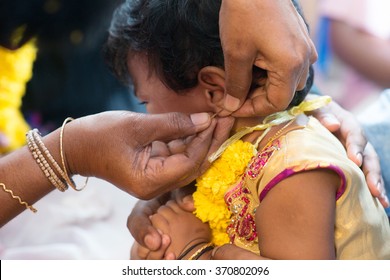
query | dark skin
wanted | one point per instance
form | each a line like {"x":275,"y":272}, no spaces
{"x":341,"y":122}
{"x":244,"y":47}
{"x":145,"y":172}
{"x":286,"y":72}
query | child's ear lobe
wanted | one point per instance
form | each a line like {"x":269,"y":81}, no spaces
{"x":212,"y":79}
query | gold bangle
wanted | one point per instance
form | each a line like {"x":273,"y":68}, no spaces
{"x":18,"y":198}
{"x":189,"y":249}
{"x":42,"y":162}
{"x":201,"y":251}
{"x":63,"y":159}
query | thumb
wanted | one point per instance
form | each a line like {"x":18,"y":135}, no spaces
{"x":170,"y":126}
{"x":238,"y":77}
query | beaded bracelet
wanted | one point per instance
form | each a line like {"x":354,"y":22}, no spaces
{"x":57,"y":176}
{"x":33,"y":137}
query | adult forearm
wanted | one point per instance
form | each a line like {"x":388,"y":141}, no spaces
{"x":20,"y":174}
{"x":117,"y":147}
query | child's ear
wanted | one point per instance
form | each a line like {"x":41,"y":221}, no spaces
{"x":212,"y":79}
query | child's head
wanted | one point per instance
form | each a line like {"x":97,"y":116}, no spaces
{"x":175,"y":43}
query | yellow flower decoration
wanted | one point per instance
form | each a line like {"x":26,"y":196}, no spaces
{"x":212,"y":185}
{"x":15,"y":72}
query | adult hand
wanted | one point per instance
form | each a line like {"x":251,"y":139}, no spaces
{"x":144,"y":155}
{"x":183,"y":228}
{"x":271,"y":35}
{"x":154,"y":242}
{"x":149,"y":242}
{"x":146,"y":238}
{"x":347,"y":129}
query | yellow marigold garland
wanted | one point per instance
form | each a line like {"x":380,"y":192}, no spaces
{"x":212,"y":185}
{"x":15,"y":72}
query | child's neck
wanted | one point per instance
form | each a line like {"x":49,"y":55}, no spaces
{"x":245,"y":122}
{"x":252,"y":137}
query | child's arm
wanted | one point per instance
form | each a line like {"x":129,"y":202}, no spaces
{"x":296,"y":218}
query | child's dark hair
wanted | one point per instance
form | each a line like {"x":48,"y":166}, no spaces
{"x":179,"y":36}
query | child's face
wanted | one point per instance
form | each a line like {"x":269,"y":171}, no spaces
{"x":158,"y":98}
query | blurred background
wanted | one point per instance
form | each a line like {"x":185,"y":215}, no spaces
{"x":70,"y":77}
{"x":352,"y":38}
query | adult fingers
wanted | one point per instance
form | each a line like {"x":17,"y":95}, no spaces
{"x":159,"y":149}
{"x":352,"y":134}
{"x":372,"y":171}
{"x":221,"y":133}
{"x":238,"y":78}
{"x":189,"y":165}
{"x":326,"y":118}
{"x":170,"y":126}
{"x":346,"y":127}
{"x":141,"y":227}
{"x":138,"y":252}
{"x":265,"y":101}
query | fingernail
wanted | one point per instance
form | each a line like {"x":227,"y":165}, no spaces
{"x":359,"y":157}
{"x":231,"y":103}
{"x":385,"y":198}
{"x":200,"y":118}
{"x":383,"y":193}
{"x":387,"y":201}
{"x":330,"y":120}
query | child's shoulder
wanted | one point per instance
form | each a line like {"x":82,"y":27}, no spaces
{"x":307,"y":143}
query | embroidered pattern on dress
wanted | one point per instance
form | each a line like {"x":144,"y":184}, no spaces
{"x":242,"y":224}
{"x":260,"y":160}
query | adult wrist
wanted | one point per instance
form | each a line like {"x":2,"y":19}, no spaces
{"x":77,"y":148}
